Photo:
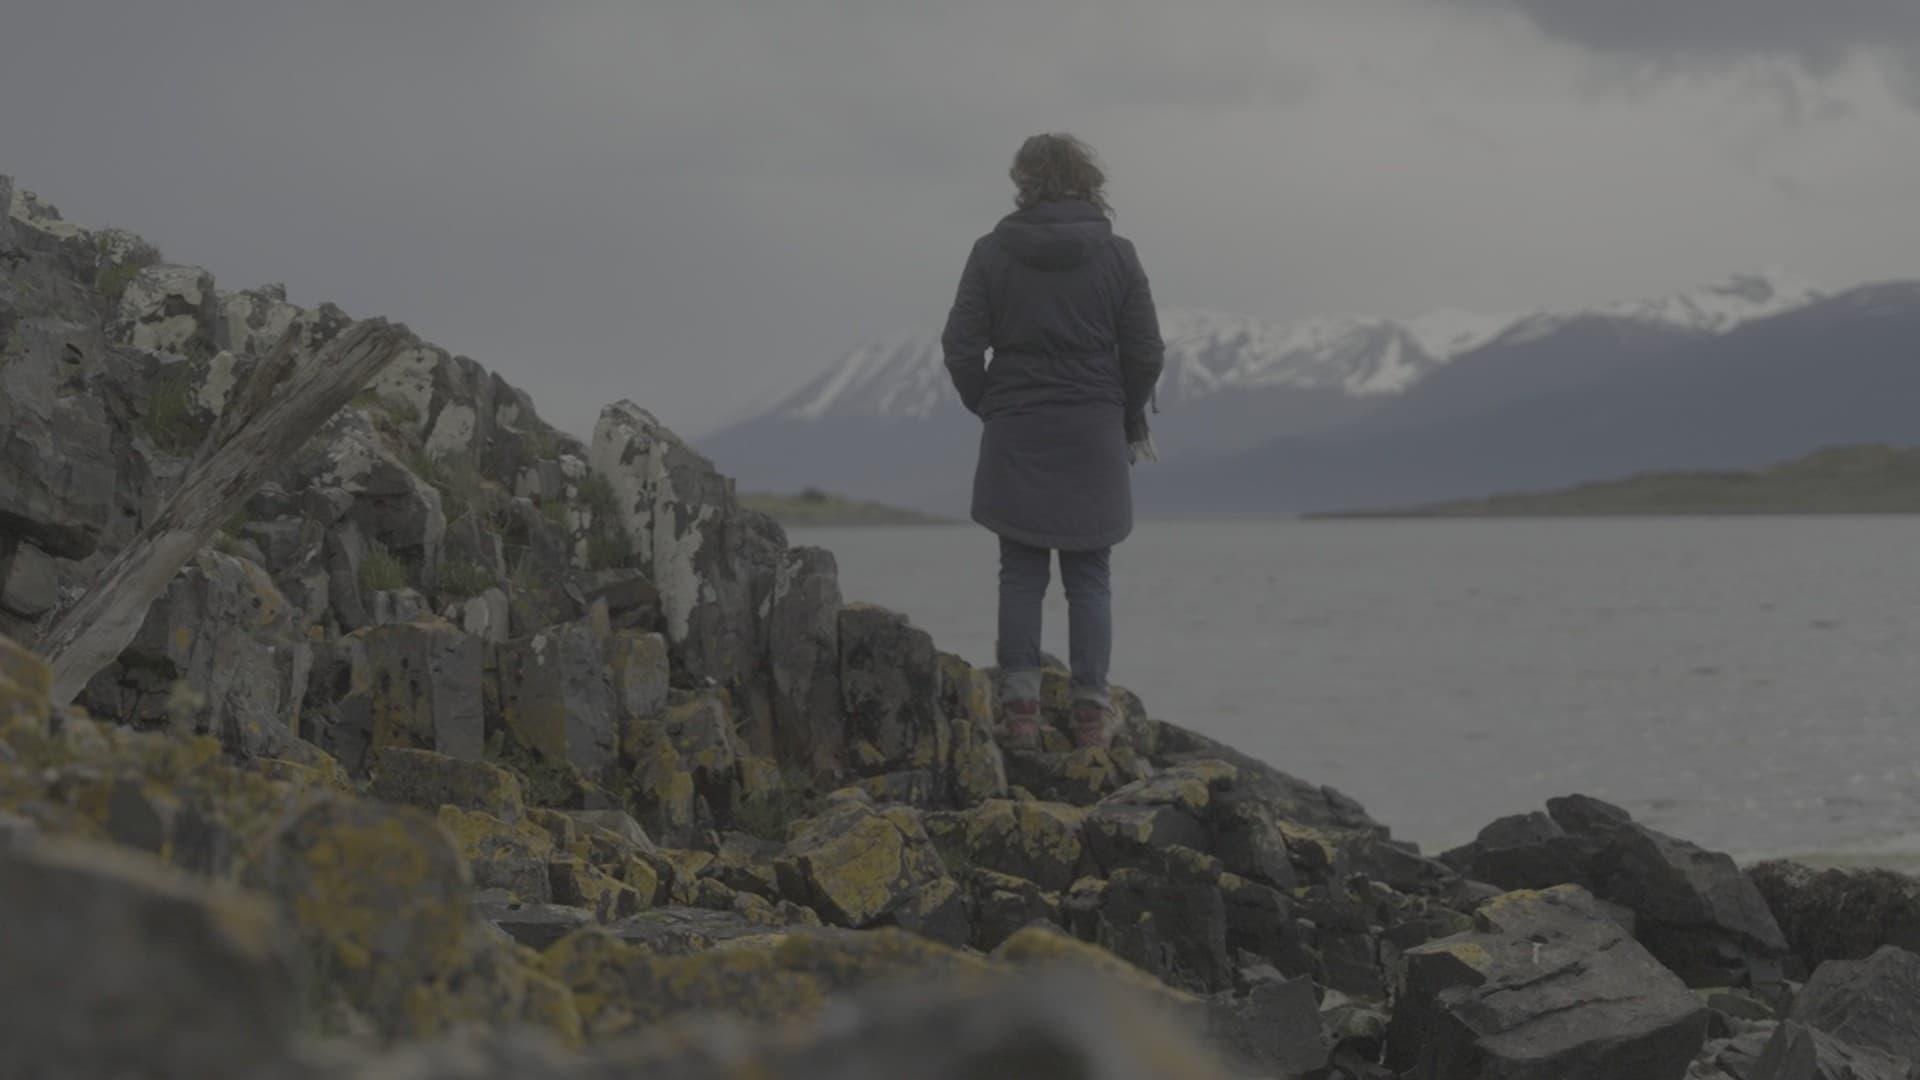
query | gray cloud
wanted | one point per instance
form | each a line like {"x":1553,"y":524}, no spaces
{"x":1822,"y":35}
{"x":700,"y":204}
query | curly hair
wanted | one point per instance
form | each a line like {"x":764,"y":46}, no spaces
{"x":1056,"y":166}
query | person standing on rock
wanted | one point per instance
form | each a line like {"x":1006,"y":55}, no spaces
{"x":1064,"y":306}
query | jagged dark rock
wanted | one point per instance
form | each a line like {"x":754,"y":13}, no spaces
{"x":1798,"y":1052}
{"x":1872,"y":1003}
{"x":1545,"y":985}
{"x":1692,"y":908}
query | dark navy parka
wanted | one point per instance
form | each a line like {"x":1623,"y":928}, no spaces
{"x":1064,"y":305}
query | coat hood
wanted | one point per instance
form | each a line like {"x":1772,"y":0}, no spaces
{"x":1053,"y":235}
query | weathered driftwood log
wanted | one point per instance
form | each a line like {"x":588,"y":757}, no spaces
{"x":311,"y":373}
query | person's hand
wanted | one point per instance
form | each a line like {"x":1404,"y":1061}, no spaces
{"x":1142,"y":450}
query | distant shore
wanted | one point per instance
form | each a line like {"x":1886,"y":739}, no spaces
{"x":821,"y":509}
{"x":1852,"y":480}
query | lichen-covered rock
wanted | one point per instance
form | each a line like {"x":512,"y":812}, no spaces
{"x":622,"y":986}
{"x":1041,"y":842}
{"x":1545,"y":986}
{"x":225,"y":632}
{"x":169,"y":309}
{"x":663,"y":793}
{"x":1003,"y":905}
{"x":429,"y":781}
{"x":112,"y":966}
{"x":857,"y":866}
{"x":29,"y":581}
{"x":25,"y":683}
{"x":617,"y":823}
{"x":1124,"y":833}
{"x":702,"y":733}
{"x":640,"y":673}
{"x":509,"y":856}
{"x":1170,"y":920}
{"x":557,"y":697}
{"x":1059,"y":1025}
{"x":1039,"y":950}
{"x":414,"y":685}
{"x":1833,"y":914}
{"x":1872,"y":1003}
{"x":373,"y":507}
{"x":1080,"y":777}
{"x":57,"y":459}
{"x":976,"y":770}
{"x":1261,"y":922}
{"x":677,"y":931}
{"x":700,"y":550}
{"x":803,"y":656}
{"x":583,"y":885}
{"x":382,"y":902}
{"x":890,"y":683}
{"x":1290,"y":798}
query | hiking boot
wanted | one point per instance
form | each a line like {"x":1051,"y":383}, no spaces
{"x":1092,"y":724}
{"x":1020,"y":724}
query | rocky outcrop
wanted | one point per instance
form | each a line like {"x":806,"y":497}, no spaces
{"x":464,"y":726}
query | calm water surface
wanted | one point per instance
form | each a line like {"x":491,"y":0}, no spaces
{"x":1750,"y":684}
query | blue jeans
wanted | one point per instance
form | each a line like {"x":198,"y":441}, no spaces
{"x":1025,"y":572}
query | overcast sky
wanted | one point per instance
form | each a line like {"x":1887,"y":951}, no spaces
{"x":700,"y":204}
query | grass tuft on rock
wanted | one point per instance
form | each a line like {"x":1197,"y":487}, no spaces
{"x":609,"y":545}
{"x":382,"y":571}
{"x":114,"y":278}
{"x":172,"y":421}
{"x":461,"y":580}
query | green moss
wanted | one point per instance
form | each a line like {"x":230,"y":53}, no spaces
{"x":114,"y":278}
{"x":382,"y":571}
{"x":555,"y":511}
{"x":463,"y":579}
{"x":609,"y":545}
{"x":172,"y":421}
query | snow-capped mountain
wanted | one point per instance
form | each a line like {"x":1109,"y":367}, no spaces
{"x":884,"y":422}
{"x":1212,"y":352}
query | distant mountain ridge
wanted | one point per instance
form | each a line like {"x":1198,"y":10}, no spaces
{"x":1213,"y":352}
{"x":884,"y":423}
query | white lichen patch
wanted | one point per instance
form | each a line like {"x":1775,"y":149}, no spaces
{"x":217,"y":386}
{"x":253,"y":322}
{"x":452,"y":432}
{"x":409,"y":380}
{"x":149,"y":296}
